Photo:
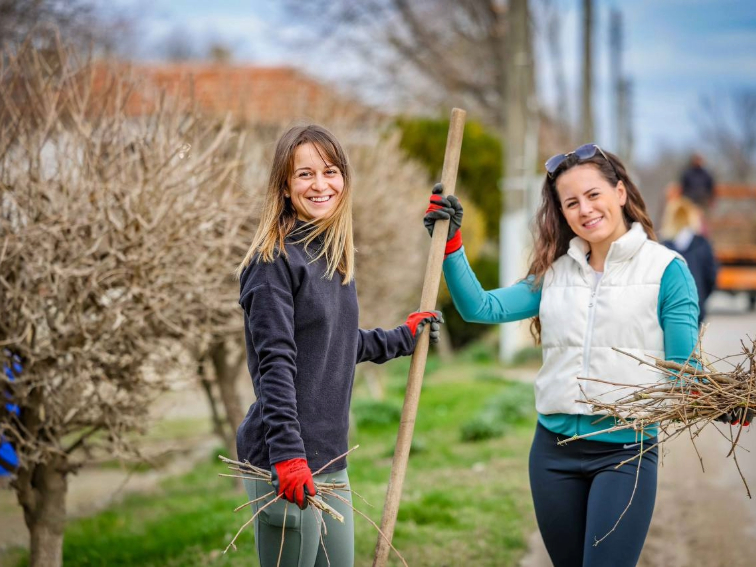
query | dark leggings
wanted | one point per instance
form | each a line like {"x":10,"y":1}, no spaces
{"x":579,"y":495}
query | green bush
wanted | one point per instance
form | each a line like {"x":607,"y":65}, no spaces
{"x":532,"y":355}
{"x":511,"y":406}
{"x":462,"y":333}
{"x":480,"y":168}
{"x":481,"y":428}
{"x":372,"y":413}
{"x":514,"y":404}
{"x":480,"y":163}
{"x":480,"y":352}
{"x":417,"y":446}
{"x":435,"y":507}
{"x":488,"y":375}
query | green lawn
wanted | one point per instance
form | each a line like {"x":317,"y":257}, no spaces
{"x":464,"y":503}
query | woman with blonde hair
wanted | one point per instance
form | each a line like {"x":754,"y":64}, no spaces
{"x":681,"y":230}
{"x":598,"y":280}
{"x":303,"y":342}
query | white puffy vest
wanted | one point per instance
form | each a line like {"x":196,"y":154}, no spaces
{"x":579,"y":326}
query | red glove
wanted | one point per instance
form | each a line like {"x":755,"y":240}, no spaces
{"x":445,"y":207}
{"x":292,"y":479}
{"x":417,"y":320}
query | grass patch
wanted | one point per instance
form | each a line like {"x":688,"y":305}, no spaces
{"x":434,"y":507}
{"x":373,"y":413}
{"x":511,"y":406}
{"x":463,"y":503}
{"x":481,"y":428}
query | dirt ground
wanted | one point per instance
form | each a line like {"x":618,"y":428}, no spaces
{"x":702,"y":519}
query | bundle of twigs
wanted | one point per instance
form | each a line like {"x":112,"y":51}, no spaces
{"x":687,"y":398}
{"x":319,"y":502}
{"x":694,"y":395}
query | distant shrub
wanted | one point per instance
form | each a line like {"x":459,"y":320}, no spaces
{"x":435,"y":507}
{"x":480,"y":428}
{"x":488,"y":375}
{"x":480,"y":165}
{"x":480,"y":351}
{"x":532,"y":355}
{"x":417,"y":446}
{"x":372,"y":413}
{"x":512,"y":405}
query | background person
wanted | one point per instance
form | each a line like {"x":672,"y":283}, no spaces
{"x":681,"y":228}
{"x":696,"y":183}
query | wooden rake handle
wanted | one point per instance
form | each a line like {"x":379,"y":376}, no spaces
{"x":417,"y":367}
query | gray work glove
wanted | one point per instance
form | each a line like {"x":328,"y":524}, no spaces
{"x":417,"y":320}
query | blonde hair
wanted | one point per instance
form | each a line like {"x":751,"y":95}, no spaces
{"x":680,"y":214}
{"x":279,"y":217}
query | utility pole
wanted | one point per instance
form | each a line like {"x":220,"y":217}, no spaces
{"x":615,"y":74}
{"x":586,"y":98}
{"x":627,"y":120}
{"x":621,"y":87}
{"x":520,"y":148}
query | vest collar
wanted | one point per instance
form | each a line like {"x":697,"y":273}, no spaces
{"x":621,"y":250}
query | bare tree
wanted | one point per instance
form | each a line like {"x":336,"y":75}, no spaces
{"x":727,"y":125}
{"x":552,"y":24}
{"x":179,"y":45}
{"x":437,"y":50}
{"x":220,"y":53}
{"x":391,"y":248}
{"x":111,"y":228}
{"x":80,"y":22}
{"x":427,"y":54}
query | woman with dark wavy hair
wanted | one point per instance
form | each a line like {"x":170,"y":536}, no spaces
{"x":598,"y":279}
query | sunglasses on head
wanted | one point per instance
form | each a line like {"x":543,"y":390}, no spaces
{"x":586,"y":151}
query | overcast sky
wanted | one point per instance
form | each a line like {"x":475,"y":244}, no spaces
{"x":675,"y":52}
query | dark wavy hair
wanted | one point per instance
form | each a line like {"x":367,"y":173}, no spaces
{"x":553,"y":234}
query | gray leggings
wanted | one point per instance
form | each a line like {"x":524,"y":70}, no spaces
{"x":302,"y":545}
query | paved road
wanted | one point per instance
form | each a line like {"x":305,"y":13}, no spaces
{"x":701,"y":518}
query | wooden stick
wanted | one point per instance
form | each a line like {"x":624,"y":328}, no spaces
{"x":417,"y":367}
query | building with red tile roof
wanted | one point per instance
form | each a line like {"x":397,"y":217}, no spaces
{"x":253,"y":94}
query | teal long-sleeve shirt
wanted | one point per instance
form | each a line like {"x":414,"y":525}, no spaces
{"x":677,"y":311}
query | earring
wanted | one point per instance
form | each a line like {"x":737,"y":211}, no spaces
{"x":286,"y":195}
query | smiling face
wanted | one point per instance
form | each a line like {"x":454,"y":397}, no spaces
{"x":591,"y":205}
{"x":314,"y":186}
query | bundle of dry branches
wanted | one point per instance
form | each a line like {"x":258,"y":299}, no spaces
{"x":692,"y":396}
{"x":319,"y":502}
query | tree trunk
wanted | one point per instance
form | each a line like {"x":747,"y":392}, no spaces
{"x":226,"y":375}
{"x":373,"y":375}
{"x":218,"y":424}
{"x":42,"y":495}
{"x":443,"y":347}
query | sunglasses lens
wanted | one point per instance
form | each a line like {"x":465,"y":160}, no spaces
{"x":554,"y":161}
{"x":586,"y":151}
